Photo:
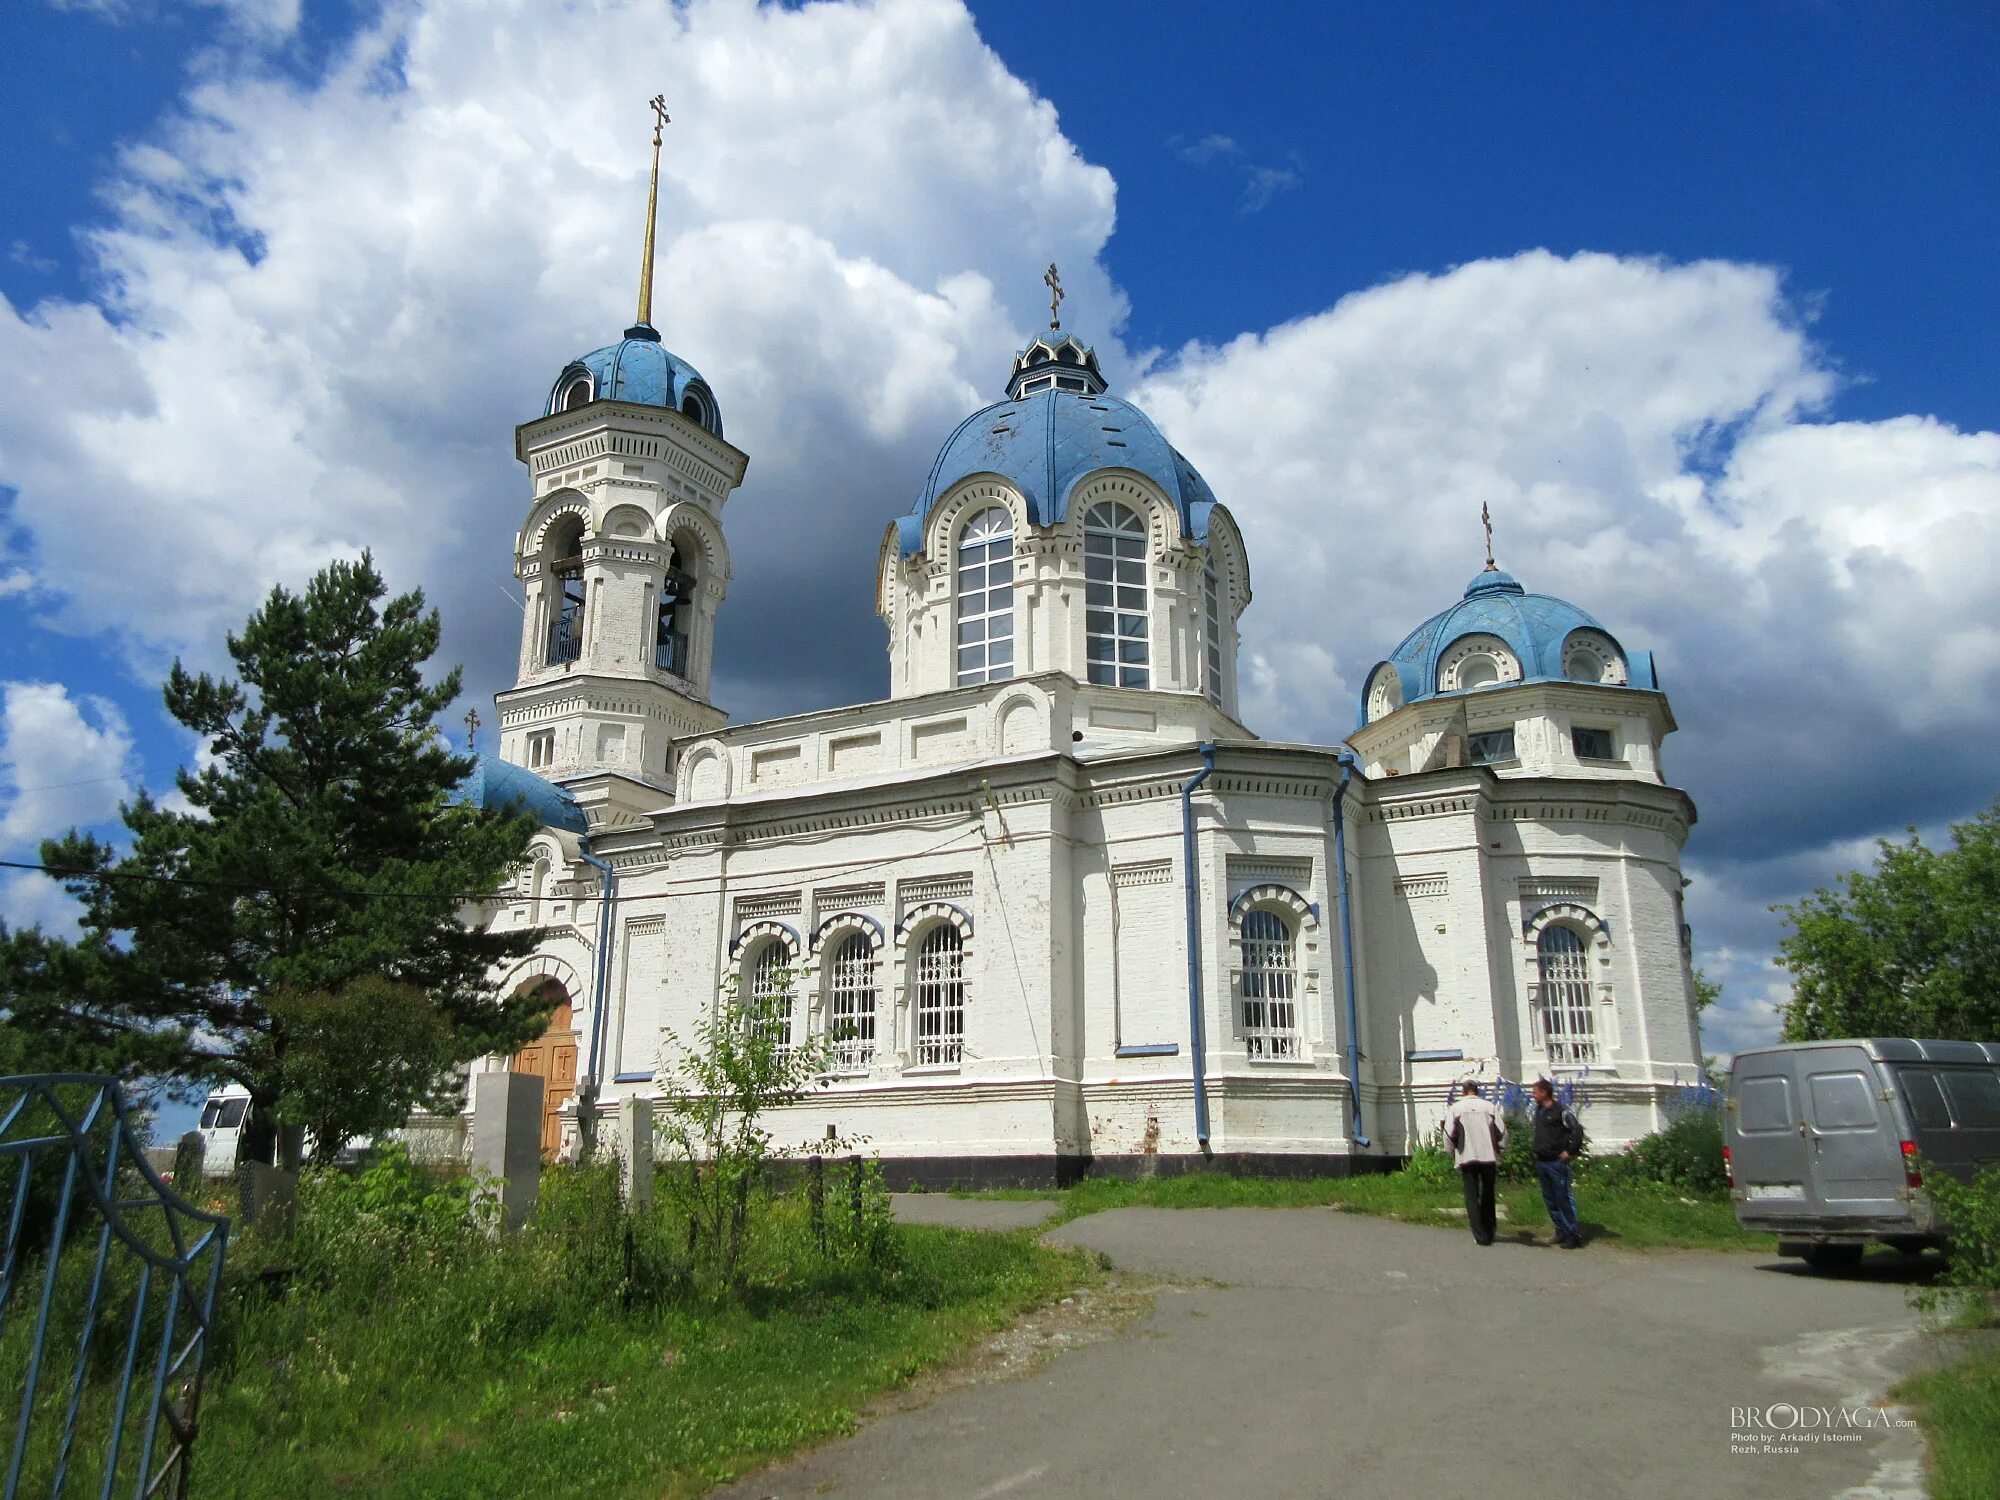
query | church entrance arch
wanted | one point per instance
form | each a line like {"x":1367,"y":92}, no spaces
{"x":553,"y":1056}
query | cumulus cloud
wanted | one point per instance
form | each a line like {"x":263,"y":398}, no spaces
{"x":1651,"y":439}
{"x":63,"y":763}
{"x":856,"y":206}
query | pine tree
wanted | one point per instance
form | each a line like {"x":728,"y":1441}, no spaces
{"x":319,"y":846}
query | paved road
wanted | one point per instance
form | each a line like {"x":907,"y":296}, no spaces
{"x":1307,"y":1352}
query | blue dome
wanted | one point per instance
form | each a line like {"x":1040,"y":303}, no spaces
{"x":640,"y":369}
{"x":505,"y":787}
{"x":1045,"y":443}
{"x":1535,"y":627}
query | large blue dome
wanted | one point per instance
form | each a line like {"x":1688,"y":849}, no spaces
{"x":1045,"y":442}
{"x":1539,"y":629}
{"x":640,"y":369}
{"x":503,"y":786}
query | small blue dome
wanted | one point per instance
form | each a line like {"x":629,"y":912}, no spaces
{"x":1045,"y":443}
{"x":640,"y":369}
{"x":505,"y":787}
{"x":1536,"y":628}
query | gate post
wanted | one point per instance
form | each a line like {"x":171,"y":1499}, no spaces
{"x":507,"y":1141}
{"x":634,"y":1145}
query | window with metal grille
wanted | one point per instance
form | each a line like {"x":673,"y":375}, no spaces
{"x":1270,"y":987}
{"x":1569,"y":1026}
{"x":1117,"y":647}
{"x":1211,"y":638}
{"x":940,"y":996}
{"x":986,"y":597}
{"x":767,"y":1010}
{"x":850,"y":1011}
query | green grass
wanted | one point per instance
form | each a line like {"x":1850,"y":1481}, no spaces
{"x":666,"y":1403}
{"x":1959,"y":1409}
{"x":401,"y":1352}
{"x":1636,"y":1218}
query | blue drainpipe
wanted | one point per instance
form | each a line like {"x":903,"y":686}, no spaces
{"x":1197,"y":1047}
{"x":1347,"y":953}
{"x":600,"y":981}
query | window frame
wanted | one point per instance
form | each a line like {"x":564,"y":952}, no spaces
{"x":939,"y":995}
{"x":995,"y":625}
{"x":1269,"y":994}
{"x":861,"y":982}
{"x":1576,"y":731}
{"x":1564,"y":991}
{"x":1116,"y":561}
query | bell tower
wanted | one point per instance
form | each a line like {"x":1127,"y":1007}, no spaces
{"x":623,"y":562}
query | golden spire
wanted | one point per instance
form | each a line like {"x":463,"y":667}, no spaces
{"x":660,"y":119}
{"x":1052,"y":279}
{"x":1486,"y":520}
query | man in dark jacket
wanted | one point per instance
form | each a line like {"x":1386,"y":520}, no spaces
{"x":1558,"y":1139}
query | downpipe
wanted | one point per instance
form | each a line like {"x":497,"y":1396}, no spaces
{"x":1197,"y":1042}
{"x":600,"y":1000}
{"x":1354,"y":1131}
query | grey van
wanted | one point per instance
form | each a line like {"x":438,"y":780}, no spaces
{"x":1827,"y":1142}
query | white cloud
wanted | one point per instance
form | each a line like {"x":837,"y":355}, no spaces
{"x":327,"y":307}
{"x":63,"y":763}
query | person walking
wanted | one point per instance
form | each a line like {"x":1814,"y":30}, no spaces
{"x":1557,"y":1141}
{"x":1478,"y":1134}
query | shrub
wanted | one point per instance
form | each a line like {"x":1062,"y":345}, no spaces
{"x":1686,"y":1156}
{"x":1971,"y":1210}
{"x":1430,"y":1160}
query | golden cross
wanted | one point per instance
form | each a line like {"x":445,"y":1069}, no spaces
{"x":1486,"y":520}
{"x":1052,"y":279}
{"x":660,"y":119}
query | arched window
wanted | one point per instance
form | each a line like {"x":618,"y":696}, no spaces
{"x":986,"y":597}
{"x":1116,"y":645}
{"x":670,"y":635}
{"x":940,"y":1009}
{"x":1211,"y":636}
{"x":850,"y":1007}
{"x":1474,"y":662}
{"x":767,"y":1001}
{"x":566,"y":605}
{"x":1563,"y":1010}
{"x":575,"y":394}
{"x":1270,"y":986}
{"x":1385,"y":693}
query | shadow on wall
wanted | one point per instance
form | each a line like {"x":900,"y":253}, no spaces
{"x":1411,"y":981}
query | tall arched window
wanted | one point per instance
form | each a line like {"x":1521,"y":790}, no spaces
{"x":1563,"y":1010}
{"x":566,"y":602}
{"x":1211,"y":642}
{"x":767,"y":1003}
{"x":850,"y":1008}
{"x":1270,"y":986}
{"x":940,"y":1009}
{"x":1116,"y":640}
{"x":670,"y":635}
{"x":986,"y":597}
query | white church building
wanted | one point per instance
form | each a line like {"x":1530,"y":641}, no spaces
{"x":1056,"y":907}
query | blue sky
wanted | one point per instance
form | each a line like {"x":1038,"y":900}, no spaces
{"x":279,"y":278}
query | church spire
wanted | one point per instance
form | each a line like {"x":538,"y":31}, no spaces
{"x":660,"y":120}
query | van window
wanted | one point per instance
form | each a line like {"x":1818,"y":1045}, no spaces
{"x":208,"y":1113}
{"x":1926,"y":1100}
{"x":1765,"y":1104}
{"x":1840,"y":1101}
{"x":1975,"y":1096}
{"x":232,"y":1113}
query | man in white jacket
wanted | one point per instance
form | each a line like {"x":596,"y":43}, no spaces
{"x":1477,"y":1134}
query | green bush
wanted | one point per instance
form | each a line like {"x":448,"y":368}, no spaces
{"x":1971,"y":1211}
{"x":1517,"y":1157}
{"x":1685,"y":1157}
{"x":1431,"y":1160}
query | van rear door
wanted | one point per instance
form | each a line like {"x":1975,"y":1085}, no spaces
{"x":1771,"y":1157}
{"x":1856,"y":1146}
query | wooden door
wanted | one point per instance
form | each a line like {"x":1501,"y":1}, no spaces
{"x":553,"y":1056}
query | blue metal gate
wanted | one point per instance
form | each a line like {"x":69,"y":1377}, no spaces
{"x":110,"y":1366}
